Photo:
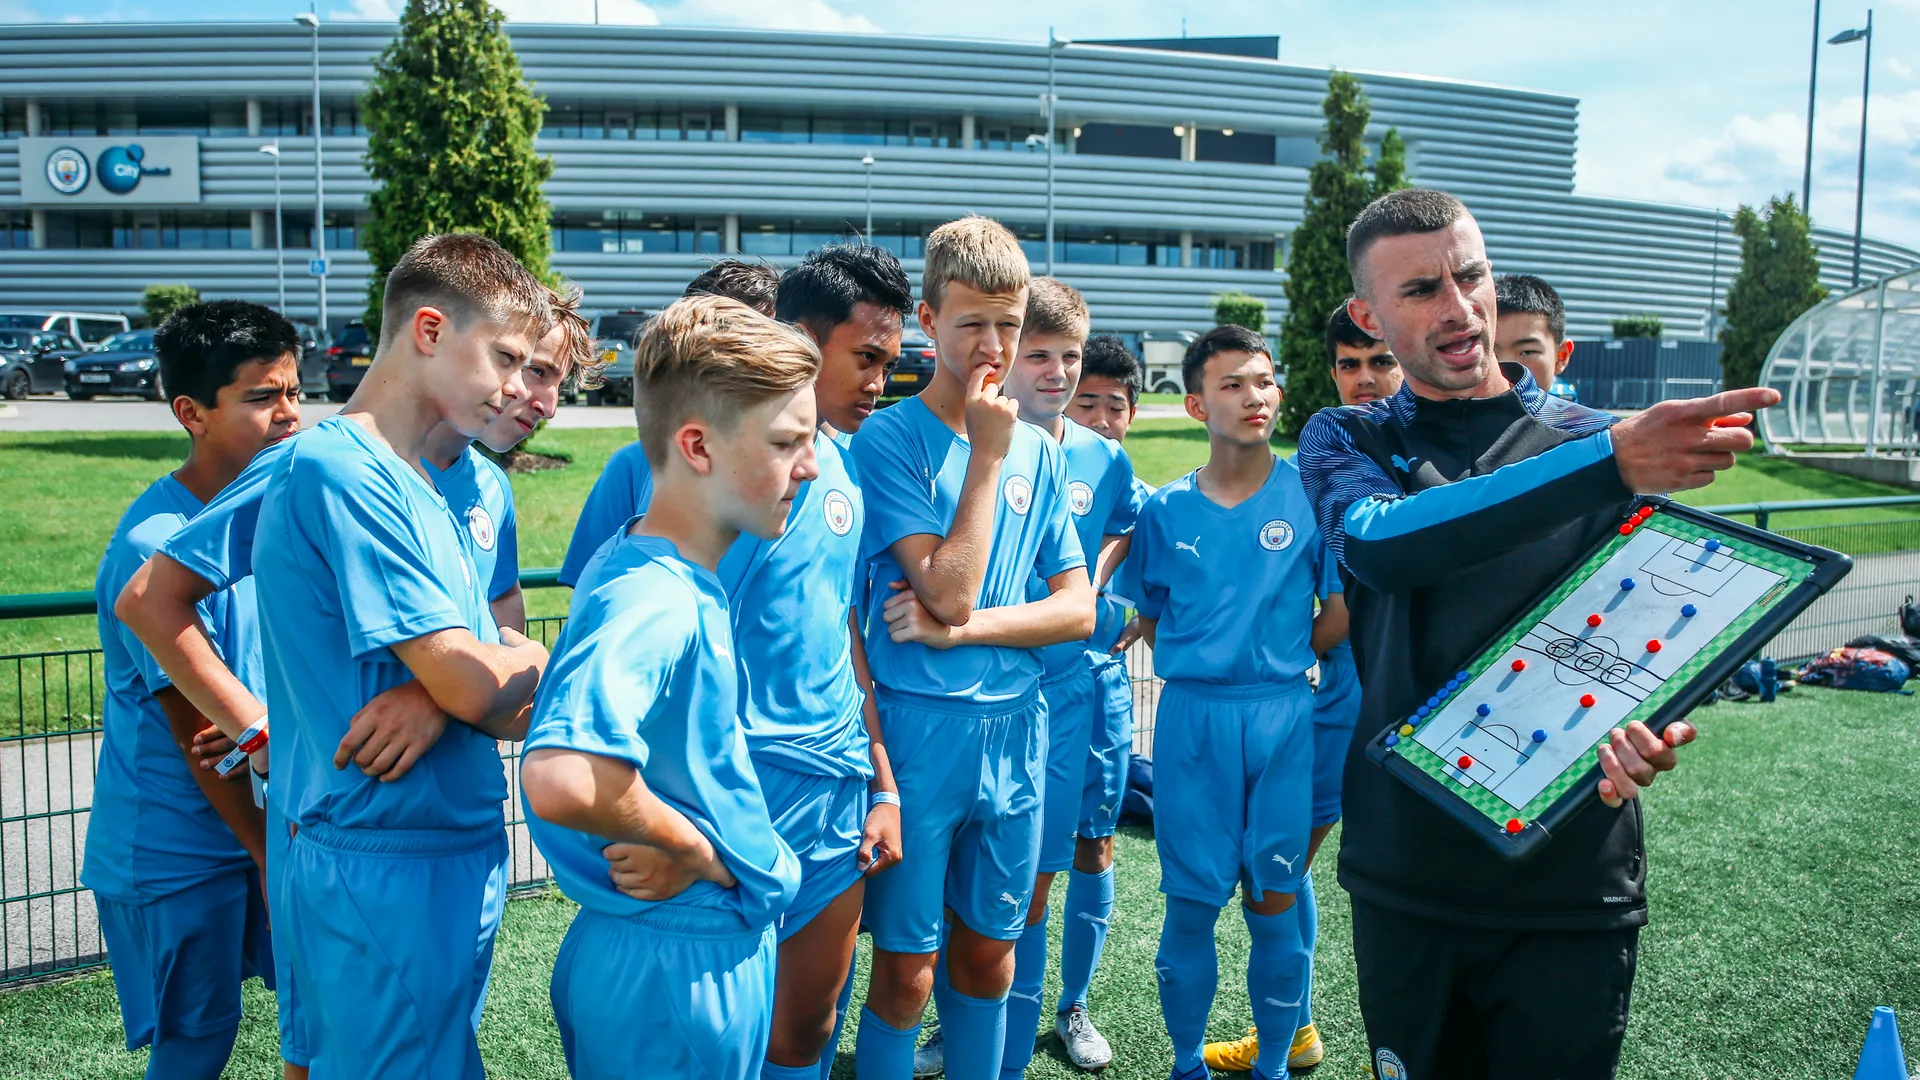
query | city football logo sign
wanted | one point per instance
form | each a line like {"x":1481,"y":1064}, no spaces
{"x":839,"y":512}
{"x":480,"y":525}
{"x":68,"y":171}
{"x":1080,"y":498}
{"x":1019,"y":494}
{"x":1276,"y":535}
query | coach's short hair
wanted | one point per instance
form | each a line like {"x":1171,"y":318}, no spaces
{"x":751,"y":283}
{"x":1220,"y":339}
{"x":712,"y":358}
{"x":1524,"y":294}
{"x":1397,"y":213}
{"x":466,"y":276}
{"x":200,"y":346}
{"x":1057,"y":308}
{"x":1342,"y":330}
{"x":977,"y":252}
{"x":1109,"y":357}
{"x":821,"y":291}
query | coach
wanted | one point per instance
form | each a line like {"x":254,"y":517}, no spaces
{"x":1452,"y":505}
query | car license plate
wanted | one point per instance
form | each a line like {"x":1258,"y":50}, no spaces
{"x":906,"y":376}
{"x":608,"y":356}
{"x":96,"y":378}
{"x":363,"y":361}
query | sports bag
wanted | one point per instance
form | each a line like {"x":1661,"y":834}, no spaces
{"x":1849,"y":668}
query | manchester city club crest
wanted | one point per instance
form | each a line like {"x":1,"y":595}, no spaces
{"x":1387,"y":1065}
{"x":839,"y":511}
{"x":1079,"y":498}
{"x":68,"y":171}
{"x":480,"y":526}
{"x":1276,"y":535}
{"x":1019,"y":494}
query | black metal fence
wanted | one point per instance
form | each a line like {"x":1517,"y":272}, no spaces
{"x":50,"y":730}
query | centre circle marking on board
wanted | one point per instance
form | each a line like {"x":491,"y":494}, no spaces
{"x":1019,"y":494}
{"x":1080,"y":498}
{"x":68,"y":171}
{"x":1276,"y":535}
{"x":839,"y":512}
{"x":480,"y":525}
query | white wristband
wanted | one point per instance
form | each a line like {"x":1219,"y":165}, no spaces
{"x":889,"y":798}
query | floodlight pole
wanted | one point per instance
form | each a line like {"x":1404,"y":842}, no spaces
{"x":1054,"y":45}
{"x":272,"y":150}
{"x":1813,"y":78}
{"x":868,"y":163}
{"x":1860,"y":178}
{"x":312,"y":22}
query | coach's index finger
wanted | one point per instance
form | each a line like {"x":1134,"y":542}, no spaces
{"x":1730,"y":403}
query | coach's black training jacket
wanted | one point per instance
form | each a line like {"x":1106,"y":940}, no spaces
{"x":1449,"y":519}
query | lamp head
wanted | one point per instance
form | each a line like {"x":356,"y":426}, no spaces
{"x":867,"y":161}
{"x":1847,"y":36}
{"x":271,"y":150}
{"x":308,"y":19}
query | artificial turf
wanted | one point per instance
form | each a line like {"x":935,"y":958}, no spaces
{"x":1784,"y":880}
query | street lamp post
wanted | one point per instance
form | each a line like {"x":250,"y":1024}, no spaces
{"x":312,"y":22}
{"x":272,"y":150}
{"x":1813,"y":77}
{"x":867,"y":162}
{"x":1048,"y":108}
{"x":1860,"y":179}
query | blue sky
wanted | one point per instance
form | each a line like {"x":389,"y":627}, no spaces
{"x":1701,"y":103}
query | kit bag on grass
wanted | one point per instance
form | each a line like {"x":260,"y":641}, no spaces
{"x":1848,"y":668}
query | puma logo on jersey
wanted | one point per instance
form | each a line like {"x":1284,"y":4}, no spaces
{"x":1009,"y":898}
{"x":1405,"y":464}
{"x":1288,"y":863}
{"x":1194,"y":547}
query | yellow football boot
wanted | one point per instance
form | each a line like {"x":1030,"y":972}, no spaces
{"x":1240,"y":1054}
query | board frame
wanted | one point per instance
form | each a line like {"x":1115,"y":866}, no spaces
{"x":1828,"y":568}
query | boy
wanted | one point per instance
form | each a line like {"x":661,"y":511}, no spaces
{"x":965,"y":507}
{"x":805,"y":708}
{"x":392,"y":892}
{"x":214,"y":553}
{"x":1086,"y":771}
{"x":1363,"y":367}
{"x":174,"y":853}
{"x":1229,"y":546}
{"x":1532,"y":328}
{"x":751,"y":283}
{"x":636,"y":756}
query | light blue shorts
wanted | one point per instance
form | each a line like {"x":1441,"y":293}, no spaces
{"x":970,"y":794}
{"x":392,"y":940}
{"x":821,"y":818}
{"x":672,"y":994}
{"x":1336,"y":708}
{"x":1232,"y":788}
{"x":1089,"y":738}
{"x":178,"y":961}
{"x":293,"y":1039}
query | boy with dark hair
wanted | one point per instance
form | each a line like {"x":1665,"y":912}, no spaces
{"x":1363,"y":367}
{"x":1232,"y":545}
{"x":965,"y":507}
{"x":1108,"y":396}
{"x":1532,"y":327}
{"x":392,"y":892}
{"x":175,"y":854}
{"x":751,"y":283}
{"x":636,"y":755}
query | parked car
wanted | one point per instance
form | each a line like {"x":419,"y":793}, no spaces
{"x":122,"y":364}
{"x":613,"y":334}
{"x":1163,"y":350}
{"x":37,"y":359}
{"x":1564,"y":389}
{"x":313,"y":360}
{"x":914,"y":368}
{"x":348,"y":358}
{"x":86,"y":327}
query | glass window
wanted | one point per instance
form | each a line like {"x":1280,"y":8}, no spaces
{"x":759,"y":125}
{"x":1128,"y":140}
{"x":1243,"y":147}
{"x":16,"y":229}
{"x":849,"y":130}
{"x":343,"y":230}
{"x":174,"y":116}
{"x":13,"y":119}
{"x":227,"y":118}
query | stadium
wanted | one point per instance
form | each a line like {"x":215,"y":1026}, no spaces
{"x":1179,"y":172}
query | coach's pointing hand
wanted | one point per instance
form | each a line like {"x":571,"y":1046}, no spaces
{"x":1632,"y":756}
{"x":1679,"y":445}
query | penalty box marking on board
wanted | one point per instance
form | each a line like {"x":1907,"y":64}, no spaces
{"x":1539,"y":698}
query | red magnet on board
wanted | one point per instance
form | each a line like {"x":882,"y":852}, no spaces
{"x":1593,"y":620}
{"x":1654,"y":645}
{"x":1465,"y":762}
{"x":1627,"y":529}
{"x":1514,"y":825}
{"x":1519,"y":665}
{"x":1587,"y":701}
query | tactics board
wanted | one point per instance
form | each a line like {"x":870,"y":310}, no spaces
{"x":1643,"y":629}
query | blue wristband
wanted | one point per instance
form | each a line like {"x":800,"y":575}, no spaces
{"x":888,"y":797}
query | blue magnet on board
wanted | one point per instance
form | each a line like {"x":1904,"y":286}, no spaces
{"x":1393,"y":740}
{"x":1483,"y":709}
{"x":1452,"y":685}
{"x":1688,"y":611}
{"x":1539,"y":735}
{"x":1463,"y":676}
{"x":1422,"y":712}
{"x":1626,"y":584}
{"x":1712,"y":545}
{"x":1433,"y":702}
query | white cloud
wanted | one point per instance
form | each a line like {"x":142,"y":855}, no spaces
{"x":369,"y":10}
{"x":769,"y":15}
{"x":608,"y":12}
{"x":1894,"y":65}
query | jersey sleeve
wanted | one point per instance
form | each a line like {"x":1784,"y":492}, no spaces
{"x":388,"y":587}
{"x":1393,"y":541}
{"x":896,"y":487}
{"x":1146,"y":563}
{"x":1059,"y":541}
{"x":217,"y":544}
{"x":1126,"y":497}
{"x":610,"y":504}
{"x":618,"y":677}
{"x":506,"y":564}
{"x":1329,"y":582}
{"x":127,"y":553}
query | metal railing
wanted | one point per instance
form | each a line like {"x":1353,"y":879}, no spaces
{"x":50,"y":725}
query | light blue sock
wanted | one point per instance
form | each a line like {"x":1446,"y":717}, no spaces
{"x":1189,"y":970}
{"x":974,"y":1031}
{"x":1084,"y":935}
{"x":832,"y":1050}
{"x":1308,"y":906}
{"x":190,"y":1057}
{"x":770,"y":1071}
{"x":1023,"y":1000}
{"x":1276,"y":984}
{"x":882,"y":1051}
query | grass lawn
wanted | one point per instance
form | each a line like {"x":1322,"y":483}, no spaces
{"x":1785,"y":897}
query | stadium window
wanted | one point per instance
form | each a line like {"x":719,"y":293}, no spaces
{"x":1241,"y":147}
{"x":13,"y":119}
{"x":768,"y":126}
{"x":172,"y":116}
{"x":16,"y":229}
{"x":79,"y":229}
{"x":343,"y":230}
{"x":849,"y":130}
{"x":1128,"y":140}
{"x":227,"y":118}
{"x":1298,"y":151}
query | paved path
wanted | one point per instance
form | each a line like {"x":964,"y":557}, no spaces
{"x":59,"y":414}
